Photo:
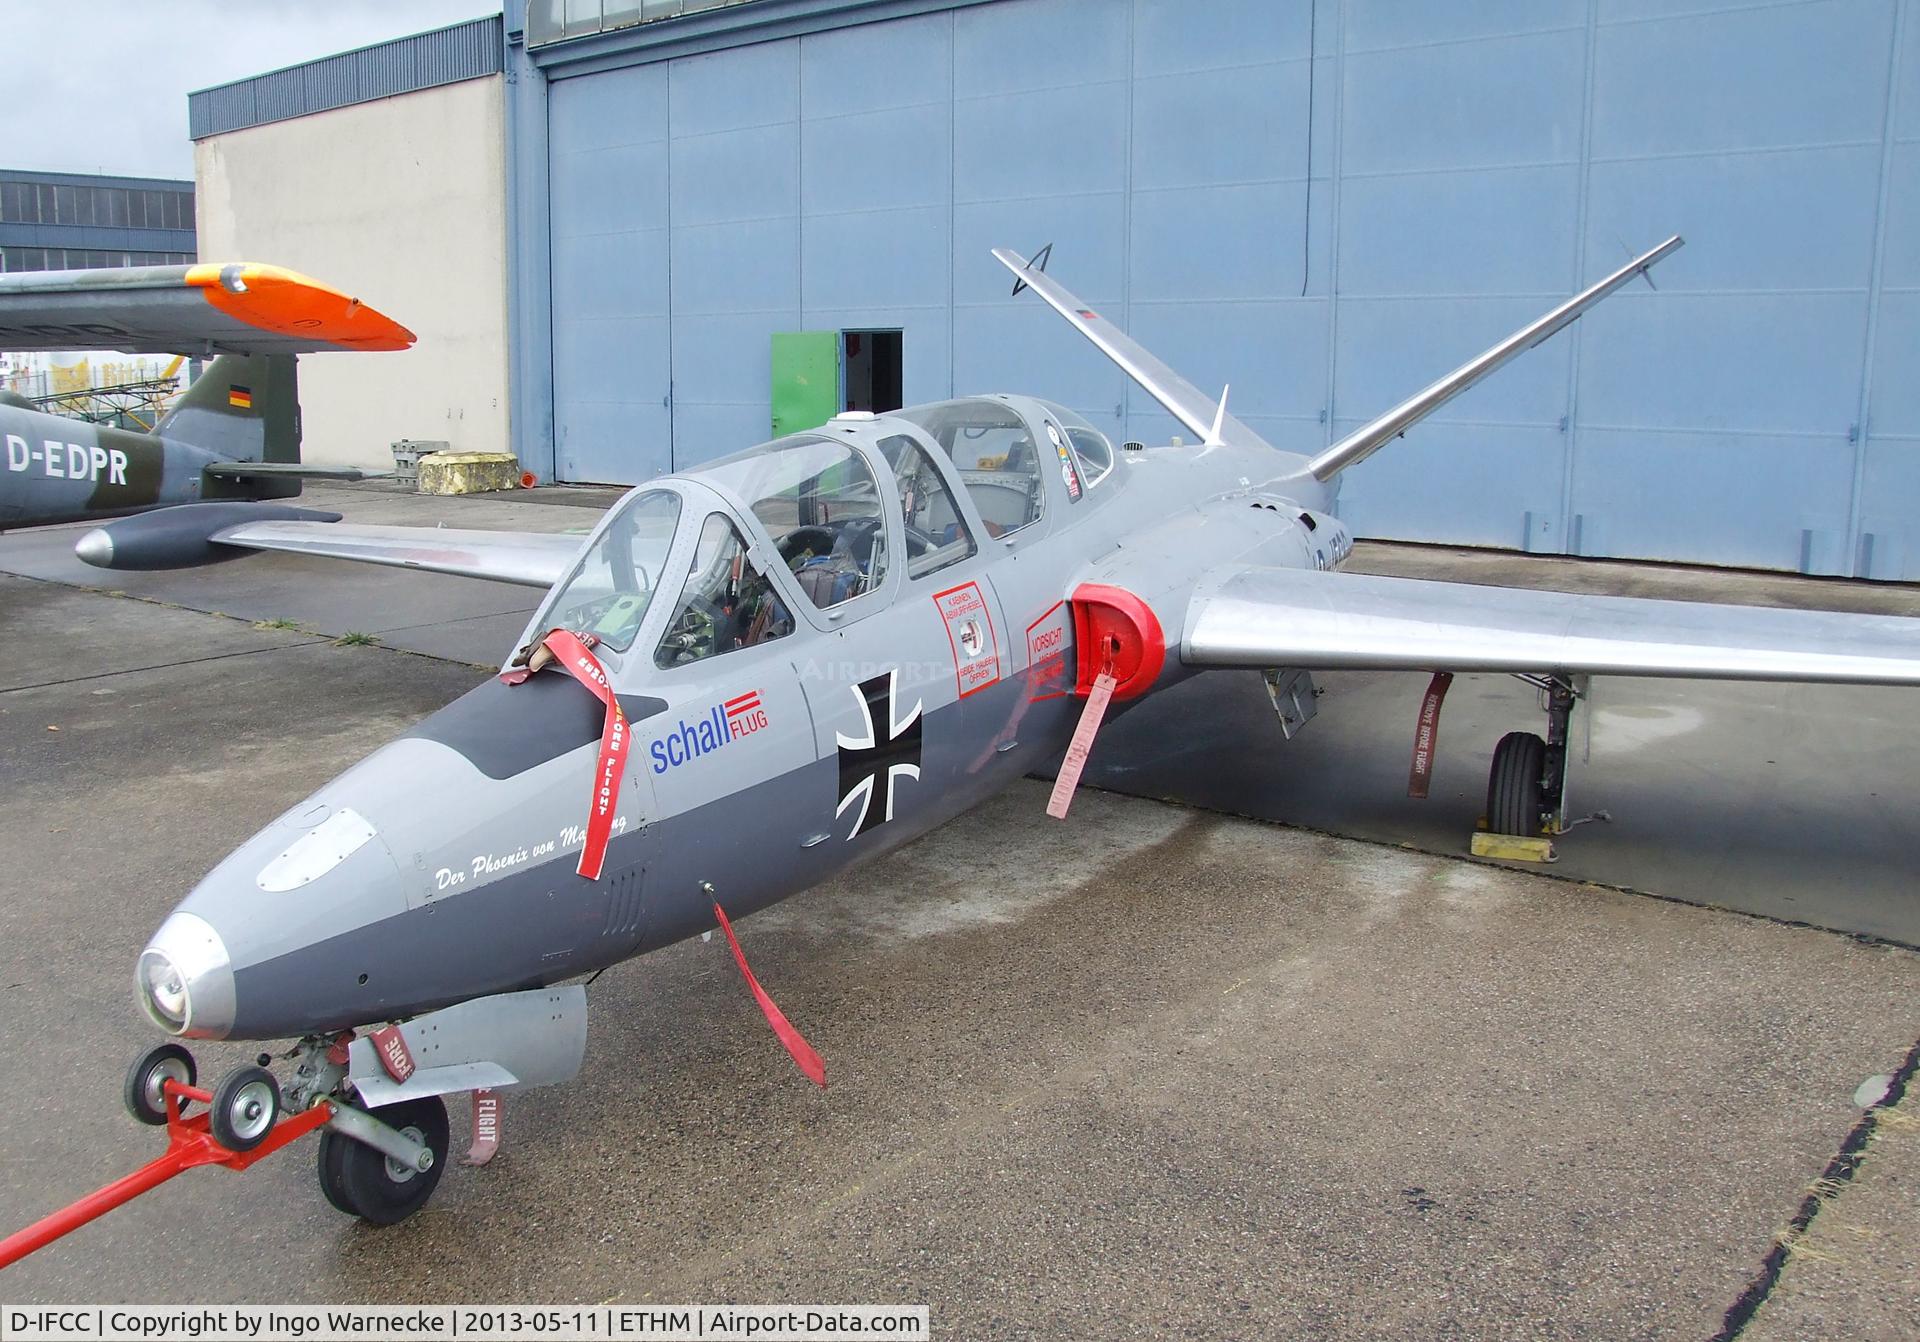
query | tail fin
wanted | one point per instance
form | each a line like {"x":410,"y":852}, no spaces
{"x":1369,"y":438}
{"x":1184,"y":401}
{"x":245,"y":407}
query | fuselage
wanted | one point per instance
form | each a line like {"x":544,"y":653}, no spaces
{"x":56,"y":469}
{"x":862,"y":709}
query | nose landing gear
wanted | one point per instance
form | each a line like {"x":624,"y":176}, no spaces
{"x":380,"y":1188}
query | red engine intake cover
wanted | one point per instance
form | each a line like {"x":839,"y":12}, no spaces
{"x":1114,"y":628}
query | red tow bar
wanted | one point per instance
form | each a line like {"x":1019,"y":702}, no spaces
{"x":189,"y":1143}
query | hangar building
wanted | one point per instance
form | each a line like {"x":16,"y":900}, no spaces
{"x":78,"y":221}
{"x":1324,"y":203}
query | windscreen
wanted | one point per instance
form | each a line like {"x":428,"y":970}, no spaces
{"x":994,"y":454}
{"x":609,"y":592}
{"x":819,"y":501}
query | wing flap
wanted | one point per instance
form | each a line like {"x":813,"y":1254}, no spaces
{"x":527,"y":558}
{"x":236,"y":308}
{"x":1269,"y":617}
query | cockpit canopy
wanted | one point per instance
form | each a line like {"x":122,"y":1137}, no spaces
{"x":608,"y":594}
{"x":994,"y":454}
{"x":1090,"y":445}
{"x":823,"y":501}
{"x":820,"y":503}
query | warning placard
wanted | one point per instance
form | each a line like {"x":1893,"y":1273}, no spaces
{"x":1049,"y":640}
{"x":976,"y":647}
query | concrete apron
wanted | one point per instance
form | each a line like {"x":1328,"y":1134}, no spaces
{"x":1148,"y":1070}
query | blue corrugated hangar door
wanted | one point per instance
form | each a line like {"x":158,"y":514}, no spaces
{"x":735,"y":117}
{"x":612,"y":360}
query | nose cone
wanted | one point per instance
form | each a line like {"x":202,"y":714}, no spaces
{"x":185,"y":978}
{"x":95,"y":548}
{"x":305,"y":927}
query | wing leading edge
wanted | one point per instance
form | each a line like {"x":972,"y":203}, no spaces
{"x":526,"y":558}
{"x":237,"y":308}
{"x":200,"y":533}
{"x":1268,"y":617}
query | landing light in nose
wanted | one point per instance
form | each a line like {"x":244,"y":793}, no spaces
{"x":185,"y":979}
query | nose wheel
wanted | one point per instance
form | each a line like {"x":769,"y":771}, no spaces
{"x":374,"y":1186}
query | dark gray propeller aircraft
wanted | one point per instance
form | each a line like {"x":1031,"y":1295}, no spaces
{"x":756,"y":673}
{"x":234,"y":434}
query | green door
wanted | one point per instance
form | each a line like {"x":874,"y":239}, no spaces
{"x":806,"y":380}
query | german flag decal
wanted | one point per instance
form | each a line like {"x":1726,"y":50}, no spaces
{"x":240,"y":398}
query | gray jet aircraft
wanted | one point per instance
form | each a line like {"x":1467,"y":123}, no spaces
{"x":758,"y":672}
{"x":234,"y":434}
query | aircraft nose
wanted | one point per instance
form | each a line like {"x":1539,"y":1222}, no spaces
{"x":185,"y":978}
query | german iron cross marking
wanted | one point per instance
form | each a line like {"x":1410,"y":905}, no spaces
{"x":868,"y":763}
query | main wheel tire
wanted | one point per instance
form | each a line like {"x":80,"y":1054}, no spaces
{"x":1516,"y":786}
{"x":143,"y":1092}
{"x":365,"y":1183}
{"x":246,"y":1104}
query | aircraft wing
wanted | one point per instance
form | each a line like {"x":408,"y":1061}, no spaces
{"x":200,"y":533}
{"x":527,"y":558}
{"x":236,"y":308}
{"x":1271,"y":617}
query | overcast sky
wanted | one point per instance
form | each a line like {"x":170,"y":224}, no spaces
{"x":101,"y":85}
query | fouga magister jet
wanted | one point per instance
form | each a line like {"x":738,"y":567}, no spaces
{"x":756,"y":673}
{"x":234,"y":434}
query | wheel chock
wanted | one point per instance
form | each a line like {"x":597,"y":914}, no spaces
{"x":1513,"y":847}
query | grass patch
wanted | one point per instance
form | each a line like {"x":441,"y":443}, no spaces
{"x":281,"y":623}
{"x":353,"y":638}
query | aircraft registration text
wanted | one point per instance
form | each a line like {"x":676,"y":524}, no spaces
{"x":67,"y":461}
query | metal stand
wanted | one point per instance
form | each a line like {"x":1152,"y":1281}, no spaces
{"x":189,"y":1144}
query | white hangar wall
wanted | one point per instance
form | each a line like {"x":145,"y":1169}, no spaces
{"x":398,"y":201}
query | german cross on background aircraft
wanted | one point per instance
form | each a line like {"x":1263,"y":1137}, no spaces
{"x":234,"y":434}
{"x":794,"y":659}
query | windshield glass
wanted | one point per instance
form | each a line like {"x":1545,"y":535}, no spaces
{"x":819,"y":501}
{"x":994,"y":456}
{"x":1089,"y":444}
{"x":608,"y":595}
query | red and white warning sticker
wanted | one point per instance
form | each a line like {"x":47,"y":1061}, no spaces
{"x":1049,"y":640}
{"x":976,"y":647}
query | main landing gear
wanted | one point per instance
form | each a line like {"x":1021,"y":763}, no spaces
{"x":1527,"y":785}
